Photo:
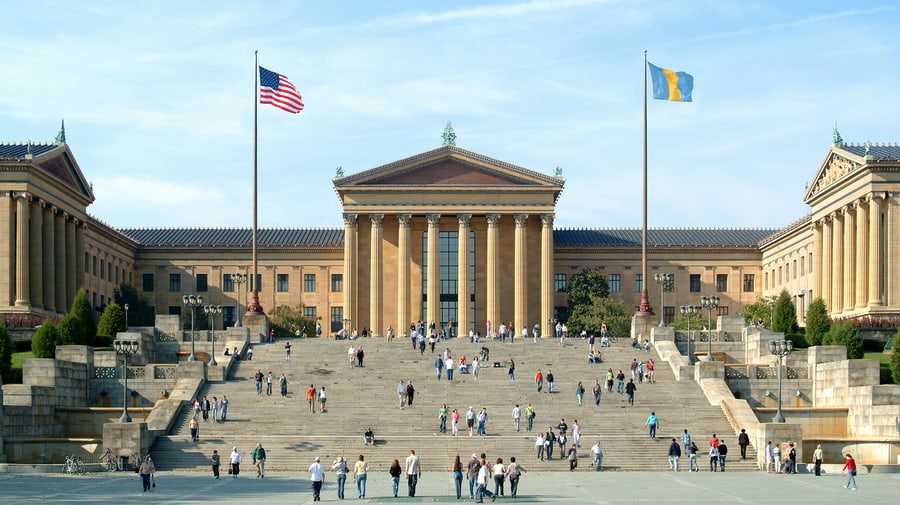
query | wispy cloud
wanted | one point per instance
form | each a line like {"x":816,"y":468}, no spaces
{"x":796,"y":23}
{"x":487,"y":12}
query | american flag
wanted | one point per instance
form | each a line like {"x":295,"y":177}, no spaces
{"x":277,"y":90}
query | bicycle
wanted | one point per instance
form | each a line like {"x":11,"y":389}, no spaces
{"x":73,"y":464}
{"x":112,"y":464}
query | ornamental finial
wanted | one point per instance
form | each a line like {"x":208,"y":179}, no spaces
{"x":61,"y":136}
{"x":448,"y":136}
{"x":836,"y":139}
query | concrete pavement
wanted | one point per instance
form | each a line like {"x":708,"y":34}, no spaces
{"x":584,"y":487}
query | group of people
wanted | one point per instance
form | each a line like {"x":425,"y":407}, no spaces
{"x":214,"y":409}
{"x":545,"y":442}
{"x":360,"y":472}
{"x":267,"y":380}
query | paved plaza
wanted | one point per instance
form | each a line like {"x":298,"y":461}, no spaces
{"x":585,"y":487}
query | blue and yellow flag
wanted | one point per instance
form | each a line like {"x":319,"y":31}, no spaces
{"x":671,"y":85}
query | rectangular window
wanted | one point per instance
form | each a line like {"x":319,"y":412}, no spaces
{"x":749,"y":281}
{"x":175,"y":310}
{"x":174,"y":283}
{"x":638,"y":282}
{"x":102,"y":269}
{"x":282,"y":283}
{"x":117,"y":275}
{"x":94,"y":265}
{"x":787,"y":273}
{"x":802,"y":265}
{"x":258,"y":286}
{"x":337,"y":316}
{"x":228,"y":314}
{"x":87,"y":263}
{"x":202,"y":283}
{"x":309,"y":312}
{"x":766,"y":280}
{"x":779,"y":275}
{"x":615,"y":283}
{"x":337,"y":284}
{"x":227,"y":283}
{"x":148,"y":283}
{"x":109,"y":271}
{"x":309,"y":283}
{"x":669,"y":314}
{"x":696,"y":285}
{"x":559,"y":283}
{"x":670,"y":287}
{"x":721,"y":283}
{"x":810,"y":264}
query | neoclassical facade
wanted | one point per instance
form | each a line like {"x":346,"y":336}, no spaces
{"x":447,"y":235}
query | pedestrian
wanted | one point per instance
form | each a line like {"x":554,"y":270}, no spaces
{"x":692,"y":454}
{"x":147,"y":470}
{"x":360,"y":356}
{"x":686,"y":438}
{"x":516,"y":416}
{"x":215,"y":409}
{"x":272,"y":335}
{"x":340,"y":468}
{"x":539,"y":380}
{"x":597,"y":454}
{"x":539,"y":445}
{"x":576,"y":433}
{"x":529,"y":417}
{"x":449,"y":365}
{"x":195,"y":429}
{"x":620,"y":382}
{"x":205,"y":407}
{"x":535,"y":333}
{"x":401,"y":394}
{"x":249,"y":354}
{"x":410,"y":393}
{"x":498,"y":471}
{"x":258,"y":378}
{"x":776,"y":458}
{"x":443,"y":413}
{"x":674,"y":454}
{"x":610,"y":377}
{"x":514,"y":471}
{"x":769,"y":456}
{"x":723,"y":452}
{"x":743,"y":442}
{"x":317,"y":476}
{"x":456,"y":472}
{"x":653,"y":423}
{"x":850,"y":468}
{"x":817,"y":460}
{"x":651,"y":376}
{"x":224,"y":407}
{"x":596,"y":390}
{"x":713,"y":458}
{"x":323,"y":397}
{"x":259,"y":461}
{"x":269,"y":379}
{"x":284,"y":385}
{"x":476,"y":365}
{"x":454,"y":422}
{"x":413,"y":471}
{"x":287,"y":349}
{"x":311,"y":395}
{"x":550,"y":381}
{"x":579,"y":393}
{"x":634,"y":366}
{"x":630,"y":388}
{"x":512,"y":369}
{"x":472,"y":474}
{"x":482,"y":420}
{"x":572,"y":456}
{"x":549,"y":441}
{"x":470,"y":420}
{"x":395,"y":471}
{"x":714,"y":441}
{"x":792,"y":458}
{"x":351,"y":355}
{"x":216,"y":461}
{"x":482,"y":489}
{"x":360,"y":472}
{"x":439,"y":366}
{"x":235,"y":460}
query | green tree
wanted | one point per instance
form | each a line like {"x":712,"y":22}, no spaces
{"x":81,"y":308}
{"x":70,"y":331}
{"x":760,"y":310}
{"x":590,"y":316}
{"x":585,"y":286}
{"x":7,"y":348}
{"x":140,"y":312}
{"x":847,"y":335}
{"x":290,"y":321}
{"x":785,"y":315}
{"x":895,"y":358}
{"x":697,"y":321}
{"x":43,"y":344}
{"x":817,"y":322}
{"x":112,"y":321}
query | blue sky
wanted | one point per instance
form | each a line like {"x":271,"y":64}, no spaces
{"x":158,"y":100}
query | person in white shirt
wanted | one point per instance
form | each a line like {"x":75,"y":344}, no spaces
{"x":317,"y":476}
{"x":516,"y":415}
{"x":597,"y":454}
{"x":449,"y":365}
{"x":483,"y":476}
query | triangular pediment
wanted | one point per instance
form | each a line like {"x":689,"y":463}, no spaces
{"x":838,"y":165}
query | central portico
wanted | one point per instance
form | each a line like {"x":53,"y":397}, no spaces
{"x":448,"y":235}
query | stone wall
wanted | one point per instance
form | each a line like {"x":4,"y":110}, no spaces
{"x":834,"y":380}
{"x":874,"y":411}
{"x":29,"y":411}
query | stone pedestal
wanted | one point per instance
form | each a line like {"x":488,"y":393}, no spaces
{"x":709,"y":370}
{"x":127,"y":440}
{"x":258,"y":325}
{"x":192,"y":370}
{"x":779,"y":433}
{"x":664,"y":334}
{"x":641,"y":325}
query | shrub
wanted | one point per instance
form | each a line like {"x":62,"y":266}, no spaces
{"x":847,"y":335}
{"x":71,"y":331}
{"x":81,"y":308}
{"x":43,"y":345}
{"x":6,"y":351}
{"x":895,"y":358}
{"x":111,"y":322}
{"x":817,"y":322}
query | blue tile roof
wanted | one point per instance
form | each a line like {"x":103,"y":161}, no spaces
{"x":19,"y":150}
{"x":879,"y":152}
{"x":675,"y":237}
{"x":235,"y":237}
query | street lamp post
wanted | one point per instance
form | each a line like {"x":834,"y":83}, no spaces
{"x":238,"y":279}
{"x":771,"y":316}
{"x":710,"y":303}
{"x":212,"y":311}
{"x":665,"y":282}
{"x":126,"y":348}
{"x":782,"y":349}
{"x":192,"y":301}
{"x":126,"y":317}
{"x":688,"y":311}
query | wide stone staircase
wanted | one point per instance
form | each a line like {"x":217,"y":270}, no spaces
{"x":366,"y":397}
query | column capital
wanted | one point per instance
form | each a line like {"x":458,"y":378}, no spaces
{"x":879,"y":195}
{"x":521,"y":220}
{"x":859,"y":202}
{"x":493,"y":220}
{"x":21,"y":194}
{"x":547,"y":220}
{"x":42,"y":203}
{"x":404,"y":219}
{"x":350,"y":219}
{"x":464,"y":219}
{"x":433,"y":219}
{"x":376,"y":219}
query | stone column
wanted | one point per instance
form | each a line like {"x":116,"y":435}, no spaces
{"x":493,"y":304}
{"x":350,"y":254}
{"x":837,"y":263}
{"x":375,"y":276}
{"x":861,"y":289}
{"x":49,"y":273}
{"x":817,"y":259}
{"x":80,"y":228}
{"x":59,"y":258}
{"x":825,"y":264}
{"x":403,"y":319}
{"x":520,"y":266}
{"x":23,"y":288}
{"x":875,"y":250}
{"x":36,"y":253}
{"x":71,"y":270}
{"x":849,"y":274}
{"x":464,"y":298}
{"x":433,"y":291}
{"x":546,"y":273}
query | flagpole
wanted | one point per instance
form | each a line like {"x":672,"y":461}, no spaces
{"x":253,"y":306}
{"x":644,"y":309}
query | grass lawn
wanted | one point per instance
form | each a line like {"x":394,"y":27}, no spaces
{"x":885,"y":360}
{"x":19,"y":357}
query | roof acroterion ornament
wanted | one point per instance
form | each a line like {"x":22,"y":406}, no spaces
{"x":558,"y":173}
{"x":836,"y":139}
{"x":448,"y":136}
{"x":61,"y":136}
{"x":339,"y":172}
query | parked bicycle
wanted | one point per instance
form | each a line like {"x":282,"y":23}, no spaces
{"x":73,"y":464}
{"x":112,"y":464}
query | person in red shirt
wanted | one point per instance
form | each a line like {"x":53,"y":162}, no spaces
{"x":714,"y":442}
{"x":539,"y":380}
{"x":850,"y":468}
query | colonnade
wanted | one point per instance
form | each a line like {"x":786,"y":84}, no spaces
{"x":432,"y":274}
{"x":47,"y":244}
{"x":850,"y":243}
